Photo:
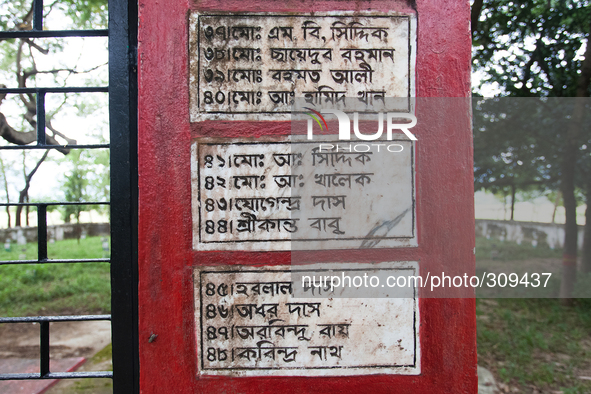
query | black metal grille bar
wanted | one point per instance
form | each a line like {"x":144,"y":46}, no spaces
{"x":54,"y":261}
{"x":95,"y":146}
{"x":39,"y":319}
{"x":56,"y":375}
{"x":57,"y":89}
{"x":38,"y":15}
{"x":54,"y":33}
{"x":45,"y":372}
{"x":41,"y":117}
{"x":42,"y":232}
{"x":44,"y":348}
{"x":34,"y":204}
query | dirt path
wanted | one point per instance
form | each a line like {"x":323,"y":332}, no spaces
{"x":67,"y":339}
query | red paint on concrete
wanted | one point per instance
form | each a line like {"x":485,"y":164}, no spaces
{"x":445,"y":212}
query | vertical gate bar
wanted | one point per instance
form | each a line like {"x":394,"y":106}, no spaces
{"x":44,"y":348}
{"x":38,"y":15}
{"x":124,"y":194}
{"x":41,"y":117}
{"x":42,"y":232}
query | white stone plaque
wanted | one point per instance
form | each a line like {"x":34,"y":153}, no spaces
{"x":251,"y":66}
{"x":248,"y":323}
{"x":275,"y":194}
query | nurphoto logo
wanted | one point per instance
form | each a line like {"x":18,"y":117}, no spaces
{"x":393,"y":122}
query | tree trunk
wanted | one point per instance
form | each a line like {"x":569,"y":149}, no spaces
{"x":3,"y":169}
{"x":78,"y":228}
{"x":569,"y":261}
{"x":475,"y":15}
{"x":512,"y":201}
{"x":19,"y":209}
{"x":586,"y":266}
{"x":569,"y":256}
{"x":23,"y":195}
{"x":27,"y":211}
{"x":556,"y":204}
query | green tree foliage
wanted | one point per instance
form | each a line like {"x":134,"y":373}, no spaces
{"x":527,"y":49}
{"x":536,"y":48}
{"x":512,"y":154}
{"x":85,"y":14}
{"x":41,"y":62}
{"x":531,"y":48}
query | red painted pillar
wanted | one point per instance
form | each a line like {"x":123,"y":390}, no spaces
{"x":170,"y":353}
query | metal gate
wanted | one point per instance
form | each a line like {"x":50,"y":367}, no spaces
{"x":122,"y":89}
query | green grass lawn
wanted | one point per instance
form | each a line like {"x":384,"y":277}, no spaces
{"x":511,"y":251}
{"x":533,"y":344}
{"x":61,"y":288}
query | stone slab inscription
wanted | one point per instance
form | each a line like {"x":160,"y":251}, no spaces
{"x":249,"y":324}
{"x":252,"y":64}
{"x":281,"y":195}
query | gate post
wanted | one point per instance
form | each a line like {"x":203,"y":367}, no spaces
{"x":124,"y":194}
{"x":224,"y":214}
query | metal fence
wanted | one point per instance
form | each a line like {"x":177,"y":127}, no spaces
{"x":122,"y":90}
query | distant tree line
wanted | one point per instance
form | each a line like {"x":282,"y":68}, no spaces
{"x":536,"y":49}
